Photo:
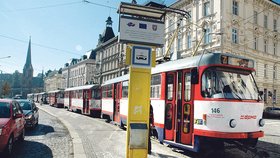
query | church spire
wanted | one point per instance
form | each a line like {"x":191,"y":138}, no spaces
{"x":109,"y":22}
{"x":28,"y":57}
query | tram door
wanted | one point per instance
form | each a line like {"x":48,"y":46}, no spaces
{"x":85,"y":101}
{"x":117,"y":91}
{"x":184,"y":106}
{"x":70,"y":98}
{"x":170,"y":105}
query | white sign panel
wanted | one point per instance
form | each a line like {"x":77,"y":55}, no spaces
{"x":139,"y":31}
{"x":141,"y":57}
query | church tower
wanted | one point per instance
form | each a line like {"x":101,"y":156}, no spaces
{"x":27,"y":72}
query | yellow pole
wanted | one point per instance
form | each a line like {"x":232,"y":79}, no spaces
{"x":138,"y":109}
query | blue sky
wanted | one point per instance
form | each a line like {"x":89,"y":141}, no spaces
{"x":71,"y":27}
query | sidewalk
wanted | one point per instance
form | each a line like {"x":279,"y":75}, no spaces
{"x":93,"y":137}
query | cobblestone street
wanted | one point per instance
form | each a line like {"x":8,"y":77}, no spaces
{"x":102,"y":140}
{"x":49,"y":139}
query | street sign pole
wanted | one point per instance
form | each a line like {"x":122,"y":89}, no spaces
{"x":142,"y":29}
{"x":140,"y":59}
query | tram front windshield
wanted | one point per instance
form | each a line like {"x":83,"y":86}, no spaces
{"x":228,"y":84}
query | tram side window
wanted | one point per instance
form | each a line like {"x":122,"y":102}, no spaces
{"x":156,"y":86}
{"x":80,"y":94}
{"x":110,"y":91}
{"x":170,"y":85}
{"x":96,"y":94}
{"x":187,"y":87}
{"x":186,"y":126}
{"x":104,"y":92}
{"x":125,"y":89}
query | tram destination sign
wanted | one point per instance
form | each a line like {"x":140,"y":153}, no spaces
{"x":141,"y":31}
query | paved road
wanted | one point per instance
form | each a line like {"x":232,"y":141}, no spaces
{"x":49,"y":139}
{"x":103,"y":140}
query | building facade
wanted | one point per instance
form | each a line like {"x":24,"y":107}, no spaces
{"x":79,"y":72}
{"x":54,"y":81}
{"x":248,"y":28}
{"x":110,"y":55}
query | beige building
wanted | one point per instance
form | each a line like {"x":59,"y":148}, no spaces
{"x":54,"y":81}
{"x":79,"y":72}
{"x":110,"y":56}
{"x":243,"y":27}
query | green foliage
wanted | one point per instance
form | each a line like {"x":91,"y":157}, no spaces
{"x":6,"y":89}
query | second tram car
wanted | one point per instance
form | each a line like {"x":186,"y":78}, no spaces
{"x":56,"y":98}
{"x":210,"y":98}
{"x":85,"y":99}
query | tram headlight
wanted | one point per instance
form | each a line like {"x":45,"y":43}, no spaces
{"x":261,"y":122}
{"x":232,"y":123}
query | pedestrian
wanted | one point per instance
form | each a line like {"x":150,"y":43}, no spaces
{"x":151,"y":123}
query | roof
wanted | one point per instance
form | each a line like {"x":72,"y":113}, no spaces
{"x":6,"y":100}
{"x":190,"y":62}
{"x":81,"y":87}
{"x":208,"y":59}
{"x":55,"y":91}
{"x":118,"y":79}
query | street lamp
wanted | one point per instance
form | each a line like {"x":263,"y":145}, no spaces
{"x":5,"y":57}
{"x":274,"y":75}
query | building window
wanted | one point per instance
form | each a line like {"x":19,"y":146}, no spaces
{"x":207,"y":37}
{"x":189,"y":40}
{"x":274,"y":72}
{"x":265,"y":46}
{"x":274,"y":25}
{"x":265,"y":95}
{"x":274,"y":96}
{"x":256,"y":68}
{"x":265,"y":71}
{"x":234,"y":7}
{"x":234,"y":35}
{"x":255,"y":43}
{"x":179,"y":44}
{"x":265,"y":21}
{"x":171,"y":24}
{"x":206,"y":9}
{"x":255,"y":17}
{"x":274,"y":48}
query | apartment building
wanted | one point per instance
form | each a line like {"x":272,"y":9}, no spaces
{"x":248,"y":28}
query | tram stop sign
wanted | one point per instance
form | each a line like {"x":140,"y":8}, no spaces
{"x":142,"y":29}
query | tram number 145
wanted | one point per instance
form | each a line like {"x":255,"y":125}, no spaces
{"x":215,"y":110}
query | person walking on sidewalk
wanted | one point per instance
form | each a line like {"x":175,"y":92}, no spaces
{"x":151,"y":123}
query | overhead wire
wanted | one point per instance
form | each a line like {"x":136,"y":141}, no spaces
{"x":39,"y":45}
{"x":43,"y":7}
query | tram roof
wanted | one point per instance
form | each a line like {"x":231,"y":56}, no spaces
{"x":189,"y":62}
{"x":115,"y":80}
{"x":81,"y":87}
{"x":55,"y":91}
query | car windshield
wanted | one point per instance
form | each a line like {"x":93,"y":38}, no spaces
{"x":228,"y":84}
{"x":5,"y":110}
{"x":25,"y":105}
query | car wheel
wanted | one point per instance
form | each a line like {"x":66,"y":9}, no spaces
{"x":9,"y":147}
{"x":22,"y":136}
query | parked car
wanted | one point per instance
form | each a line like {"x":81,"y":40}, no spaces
{"x":30,"y":111}
{"x":11,"y":124}
{"x":271,"y":112}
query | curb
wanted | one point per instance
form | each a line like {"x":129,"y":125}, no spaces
{"x":78,"y":149}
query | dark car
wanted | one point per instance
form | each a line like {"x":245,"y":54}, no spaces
{"x":271,"y":112}
{"x":11,"y":124}
{"x":30,"y":112}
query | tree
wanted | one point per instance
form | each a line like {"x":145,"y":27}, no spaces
{"x":6,"y":89}
{"x":48,"y":72}
{"x":16,"y":83}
